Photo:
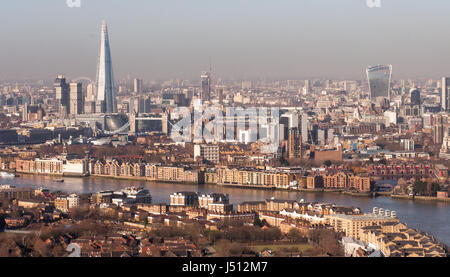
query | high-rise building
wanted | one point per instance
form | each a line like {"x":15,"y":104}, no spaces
{"x":414,"y":96}
{"x":439,"y":123}
{"x":304,"y":128}
{"x":90,"y":92}
{"x":294,"y":144}
{"x":307,"y":87}
{"x":207,"y":152}
{"x":205,"y":86}
{"x":137,"y":85}
{"x":32,"y":113}
{"x":62,"y":94}
{"x":76,"y":98}
{"x":445,"y":92}
{"x":106,"y":89}
{"x":220,"y":92}
{"x":379,"y":78}
{"x":89,"y":102}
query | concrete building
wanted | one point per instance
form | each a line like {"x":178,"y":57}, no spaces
{"x":62,"y":91}
{"x":351,"y":225}
{"x":445,"y":94}
{"x":184,"y":198}
{"x":294,"y":144}
{"x":207,"y":152}
{"x":76,"y":99}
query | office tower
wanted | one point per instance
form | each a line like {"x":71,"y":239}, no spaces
{"x":414,"y":96}
{"x":246,"y":85}
{"x":89,"y":102}
{"x":379,"y":78}
{"x":32,"y":113}
{"x":282,"y":132}
{"x":294,"y":144}
{"x":137,"y":85}
{"x":25,"y":113}
{"x":445,"y":91}
{"x":144,"y":104}
{"x":134,"y":104}
{"x":307,"y":88}
{"x":76,"y":98}
{"x":304,"y":128}
{"x":90,"y":92}
{"x":106,"y":89}
{"x":293,"y":119}
{"x":290,"y":119}
{"x":330,"y":136}
{"x":62,"y":94}
{"x":220,"y":96}
{"x":205,"y":86}
{"x":320,"y":137}
{"x":439,"y":122}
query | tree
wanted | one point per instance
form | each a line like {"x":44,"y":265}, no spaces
{"x":258,"y":222}
{"x":328,"y":240}
{"x":327,"y":163}
{"x":420,"y":187}
{"x":8,"y":247}
{"x":2,"y":223}
{"x":294,"y":235}
{"x":435,"y":187}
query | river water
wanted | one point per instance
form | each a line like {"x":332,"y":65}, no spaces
{"x":431,"y":217}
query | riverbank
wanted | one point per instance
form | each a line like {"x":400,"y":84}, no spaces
{"x":430,"y":216}
{"x":420,"y":198}
{"x":134,"y":178}
{"x":321,"y":190}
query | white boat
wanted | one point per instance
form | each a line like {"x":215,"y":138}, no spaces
{"x":4,"y":174}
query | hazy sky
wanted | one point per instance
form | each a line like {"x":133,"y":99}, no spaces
{"x":161,"y":39}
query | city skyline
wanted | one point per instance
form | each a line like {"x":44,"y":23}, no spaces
{"x":238,"y":128}
{"x":172,"y":42}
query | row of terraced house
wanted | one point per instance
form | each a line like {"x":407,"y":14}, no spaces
{"x":246,"y":177}
{"x":156,"y":172}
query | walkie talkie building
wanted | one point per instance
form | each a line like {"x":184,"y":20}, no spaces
{"x":379,"y":78}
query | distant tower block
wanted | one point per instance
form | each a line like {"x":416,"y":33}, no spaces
{"x":76,"y":98}
{"x":379,"y":78}
{"x":62,"y":91}
{"x":445,"y":94}
{"x":205,"y":86}
{"x":137,"y":85}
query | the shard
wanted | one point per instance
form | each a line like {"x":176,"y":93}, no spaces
{"x":106,"y":89}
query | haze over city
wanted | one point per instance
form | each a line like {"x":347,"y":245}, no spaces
{"x":245,"y":39}
{"x":242,"y":129}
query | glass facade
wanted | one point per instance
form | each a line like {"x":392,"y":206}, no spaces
{"x":379,"y":78}
{"x":106,"y":93}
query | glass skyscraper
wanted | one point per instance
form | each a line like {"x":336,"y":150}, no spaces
{"x":106,"y":89}
{"x":445,"y":91}
{"x":379,"y":78}
{"x":205,"y":86}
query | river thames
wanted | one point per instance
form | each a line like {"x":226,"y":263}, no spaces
{"x":431,"y":217}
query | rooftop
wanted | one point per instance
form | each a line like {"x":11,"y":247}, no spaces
{"x":361,"y":217}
